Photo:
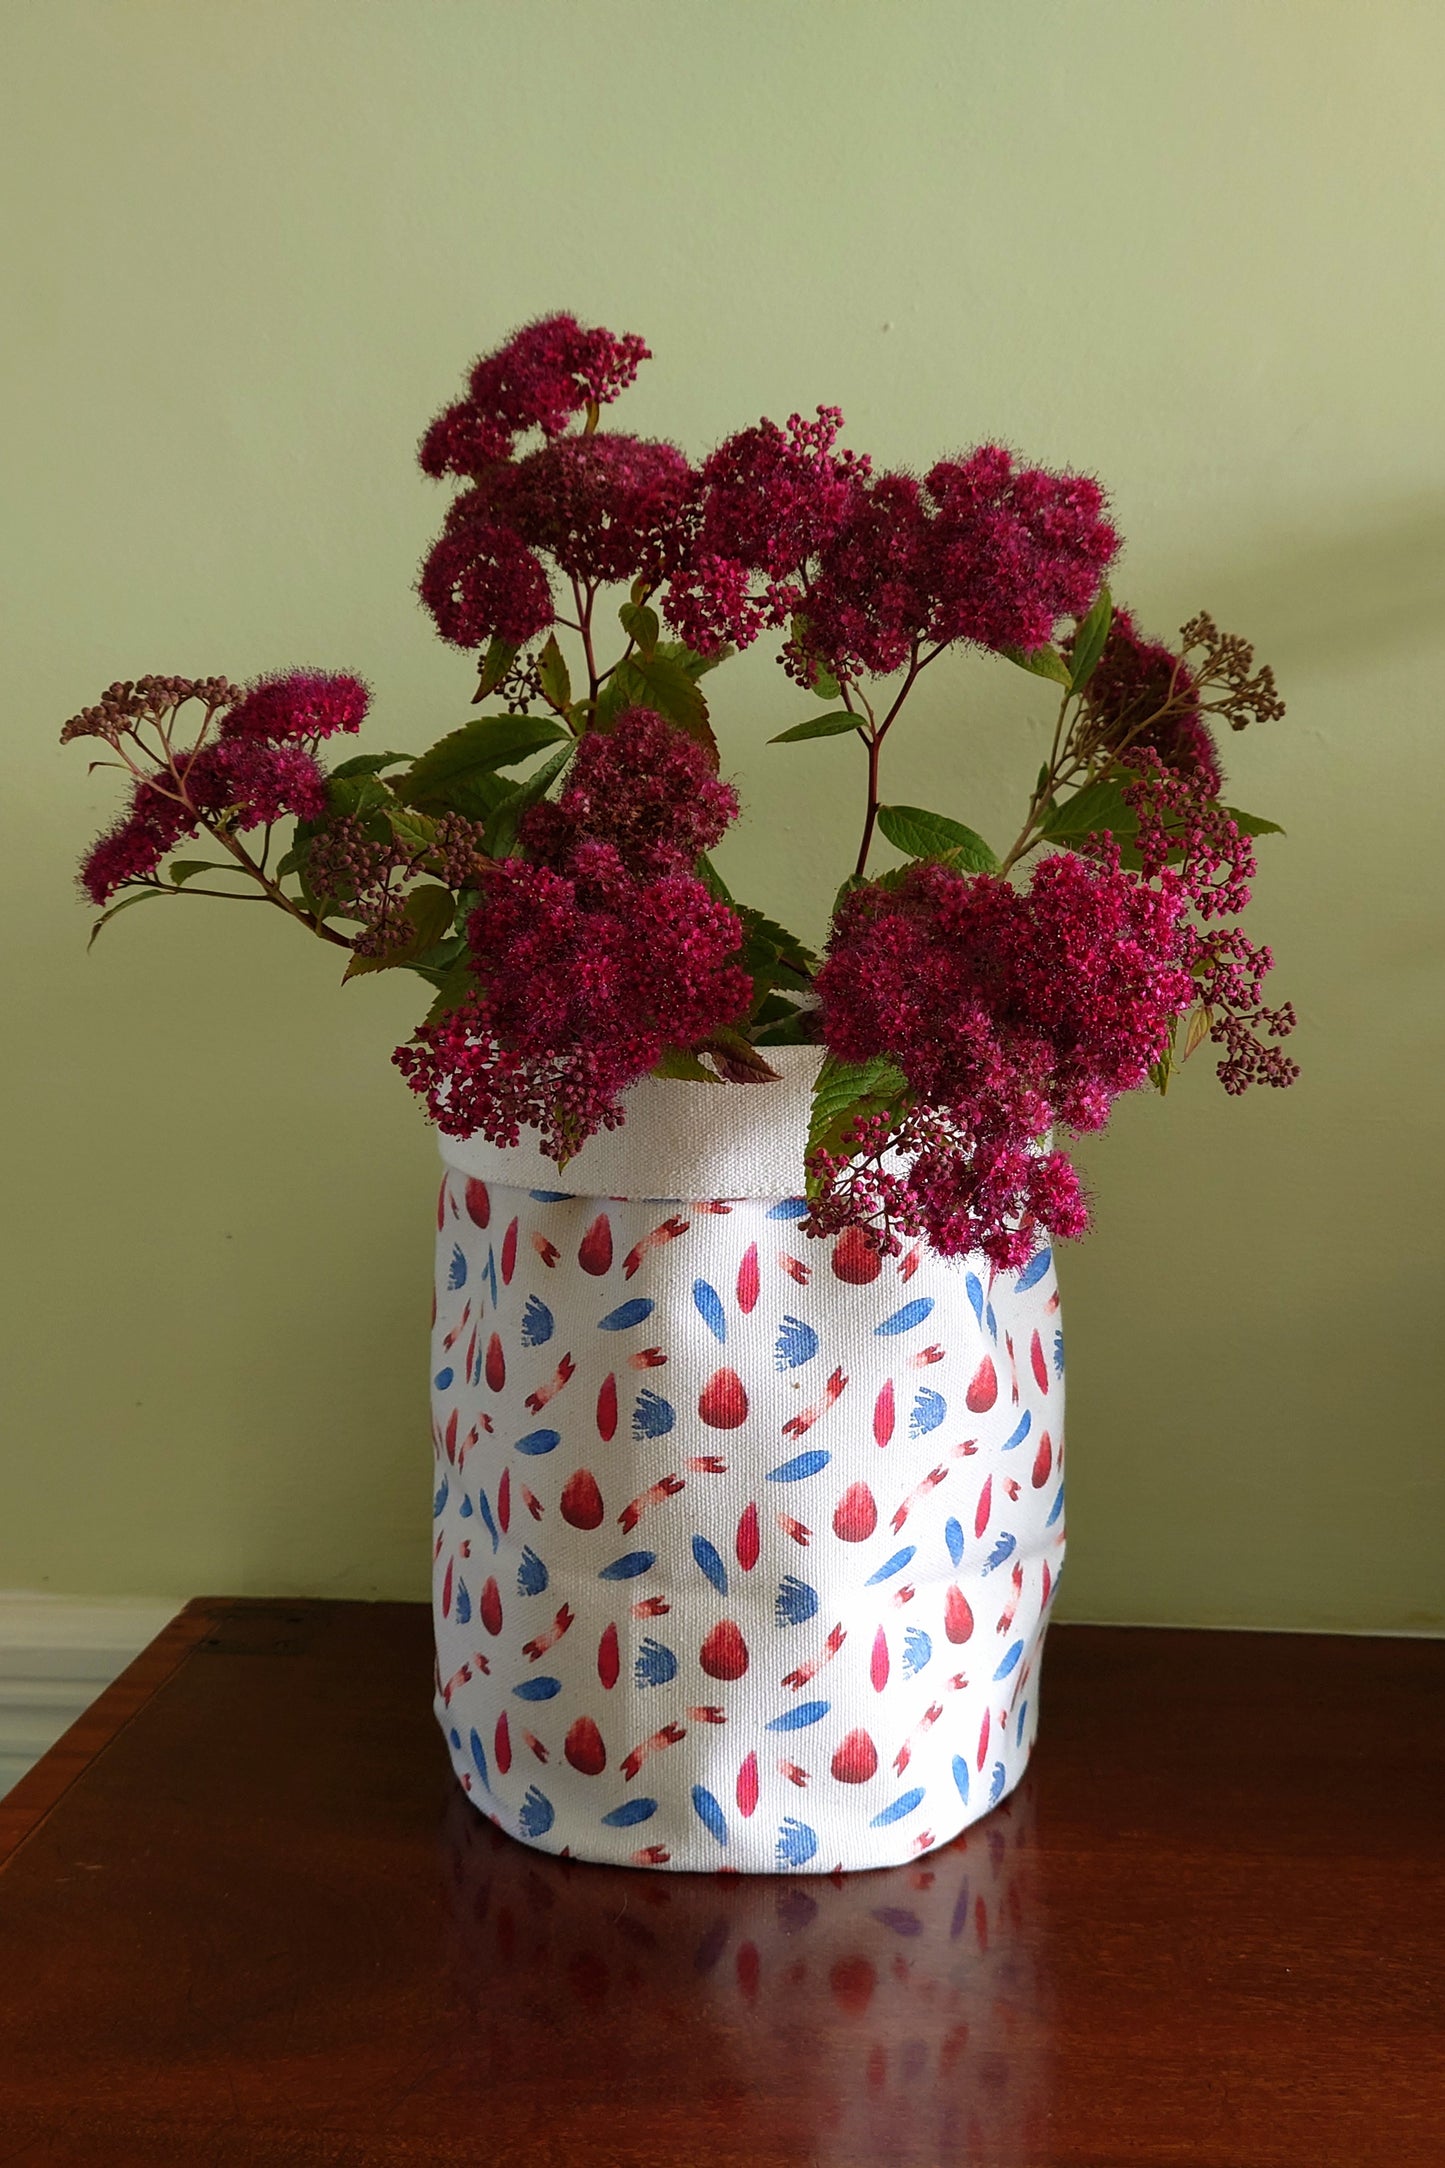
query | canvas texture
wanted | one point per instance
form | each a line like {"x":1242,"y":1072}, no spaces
{"x":745,"y":1544}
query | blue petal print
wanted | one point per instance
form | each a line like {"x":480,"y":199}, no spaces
{"x":456,"y":1270}
{"x":892,"y":1565}
{"x":796,"y":1843}
{"x":1019,"y":1726}
{"x":992,"y":1323}
{"x":796,"y":1602}
{"x":456,"y":1738}
{"x":443,"y":1378}
{"x":474,"y":1375}
{"x":479,"y":1756}
{"x":929,"y":1409}
{"x":797,"y":1344}
{"x":960,"y":1776}
{"x":543,"y":1689}
{"x":710,"y":1309}
{"x":953,"y":1537}
{"x":487,"y":1522}
{"x":913,"y":1313}
{"x":1033,"y":1271}
{"x":654,"y":1665}
{"x":626,"y":1314}
{"x":537,"y":1815}
{"x":537,"y":1325}
{"x":709,"y":1813}
{"x":540,"y":1441}
{"x":464,"y":1510}
{"x":1056,"y":1508}
{"x":801,"y":1466}
{"x":917,"y":1651}
{"x":489,"y":1274}
{"x":806,"y":1713}
{"x":790,"y":1208}
{"x":974,"y":1285}
{"x":1025,"y":1424}
{"x":551,"y":1196}
{"x":628,"y":1567}
{"x":653,"y":1417}
{"x":1058,"y":1354}
{"x":464,"y":1604}
{"x":706,"y":1555}
{"x":904,"y":1804}
{"x":1010,"y":1661}
{"x":630,"y":1813}
{"x":440,"y":1499}
{"x":531,"y":1573}
{"x":996,"y":1784}
{"x":1004,"y":1548}
{"x":898,"y":1920}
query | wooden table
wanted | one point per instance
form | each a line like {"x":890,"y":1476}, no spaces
{"x":246,"y":1917}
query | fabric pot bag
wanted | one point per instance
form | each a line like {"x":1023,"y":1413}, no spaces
{"x":745,"y":1543}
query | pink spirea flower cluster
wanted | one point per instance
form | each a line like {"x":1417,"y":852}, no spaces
{"x":1007,"y":1011}
{"x":1134,"y":683}
{"x":260,"y":768}
{"x":584,"y":979}
{"x":646,"y":789}
{"x":541,"y":378}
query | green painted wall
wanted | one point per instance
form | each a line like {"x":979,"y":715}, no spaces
{"x":1191,"y":244}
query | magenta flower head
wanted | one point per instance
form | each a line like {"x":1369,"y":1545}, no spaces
{"x":1015,"y":549}
{"x":1143,"y":696}
{"x":295,"y":704}
{"x":135,"y":846}
{"x":479,"y":580}
{"x":603,"y":506}
{"x":644,"y":788}
{"x":546,"y":374}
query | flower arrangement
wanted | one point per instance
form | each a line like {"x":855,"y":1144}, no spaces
{"x":545,"y":867}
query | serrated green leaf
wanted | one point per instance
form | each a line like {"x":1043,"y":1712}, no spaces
{"x":642,"y":626}
{"x":553,"y":674}
{"x":501,"y":830}
{"x":688,"y":659}
{"x":1097,"y":806}
{"x":831,"y":725}
{"x":497,"y":661}
{"x":1252,"y":824}
{"x":369,"y":764}
{"x":456,"y":774}
{"x":784,"y":946}
{"x":663,"y":684}
{"x":684,"y":1067}
{"x":932,"y":835}
{"x":410,"y":827}
{"x":457,"y":986}
{"x":143,"y":895}
{"x":1044,"y":662}
{"x":181,"y":870}
{"x":712,"y":880}
{"x":1090,"y":640}
{"x":845,"y":1092}
{"x":429,"y":913}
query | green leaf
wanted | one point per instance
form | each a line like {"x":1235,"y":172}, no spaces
{"x":824,"y":684}
{"x":685,"y":1067}
{"x":349,"y":796}
{"x":497,"y":661}
{"x":642,"y":626}
{"x":457,"y":986}
{"x":932,"y":835}
{"x":1097,"y":806}
{"x":409,"y":827}
{"x":831,"y":725}
{"x":664,"y":684}
{"x":501,"y":831}
{"x":765,"y":936}
{"x":555,"y":678}
{"x":845,"y":1091}
{"x":1045,"y":662}
{"x":712,"y":880}
{"x":182,"y":870}
{"x":689,"y":659}
{"x":455,"y":774}
{"x":1090,"y":639}
{"x":369,"y":764}
{"x":429,"y":912}
{"x":142,"y":895}
{"x":737,"y":1059}
{"x":787,"y":1027}
{"x":1252,"y":824}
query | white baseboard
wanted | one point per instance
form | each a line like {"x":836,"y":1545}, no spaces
{"x":57,"y":1653}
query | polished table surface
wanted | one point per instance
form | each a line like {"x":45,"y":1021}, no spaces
{"x":246,"y":1917}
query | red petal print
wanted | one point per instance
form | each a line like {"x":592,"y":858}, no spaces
{"x":442,"y":1205}
{"x":723,"y":1403}
{"x":856,"y":1257}
{"x":496,"y":1364}
{"x":1043,"y":1461}
{"x":581,"y":1502}
{"x":452,"y":1435}
{"x":491,"y":1608}
{"x":748,"y":1543}
{"x":607,"y":1408}
{"x":856,"y":1759}
{"x":748,"y":1786}
{"x":595,"y":1253}
{"x":479,"y":1204}
{"x":985,"y":1507}
{"x":447,"y":1588}
{"x":724,"y":1654}
{"x":856,"y":1514}
{"x":502,"y":1743}
{"x":983,"y":1741}
{"x":878,"y":1664}
{"x":504,"y":1500}
{"x":509,"y":1254}
{"x":584,"y":1748}
{"x":608,"y":1663}
{"x":852,"y":1982}
{"x":1048,"y":1582}
{"x":748,"y":1280}
{"x":957,"y":1618}
{"x":1041,"y":1368}
{"x":983,"y":1392}
{"x":883,"y":1414}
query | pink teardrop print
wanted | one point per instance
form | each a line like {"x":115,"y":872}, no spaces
{"x":490,"y":1608}
{"x":1043,"y":1462}
{"x":856,"y":1258}
{"x":1048,"y":1584}
{"x":983,"y":1741}
{"x":447,"y":1578}
{"x":878,"y":1662}
{"x":983,"y":1392}
{"x":442,"y":1205}
{"x":748,"y":1542}
{"x":607,"y":1408}
{"x":1040,"y":1367}
{"x":957,"y":1618}
{"x":502,"y":1743}
{"x":479,"y":1204}
{"x":724,"y":1654}
{"x":748,"y":1786}
{"x":595,"y":1252}
{"x":856,"y":1514}
{"x":509,"y":1254}
{"x":723,"y":1402}
{"x":985,"y":1506}
{"x":608,"y":1661}
{"x":496,"y":1364}
{"x":581,"y":1502}
{"x":748,"y":1280}
{"x":584,"y":1748}
{"x":856,"y":1759}
{"x":883,"y":1414}
{"x":504,"y":1500}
